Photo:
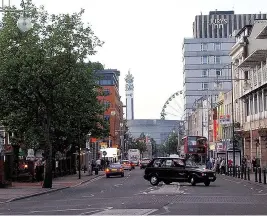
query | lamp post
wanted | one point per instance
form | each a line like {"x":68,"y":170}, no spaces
{"x":88,"y":153}
{"x":24,"y":23}
{"x":121,"y":140}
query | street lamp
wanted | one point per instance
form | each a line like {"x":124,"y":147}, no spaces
{"x":122,"y":140}
{"x":24,"y":23}
{"x":89,"y":152}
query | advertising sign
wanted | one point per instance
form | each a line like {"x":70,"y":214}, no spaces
{"x":225,"y":119}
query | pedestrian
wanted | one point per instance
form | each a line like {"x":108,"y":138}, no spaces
{"x":254,"y":164}
{"x":218,"y":165}
{"x":222,"y":166}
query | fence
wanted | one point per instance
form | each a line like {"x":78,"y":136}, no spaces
{"x":258,"y":174}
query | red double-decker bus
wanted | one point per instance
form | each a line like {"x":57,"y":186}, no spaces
{"x":195,"y":145}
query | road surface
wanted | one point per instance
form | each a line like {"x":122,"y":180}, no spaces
{"x":133,"y":195}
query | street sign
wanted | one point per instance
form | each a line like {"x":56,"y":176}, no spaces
{"x":104,"y":153}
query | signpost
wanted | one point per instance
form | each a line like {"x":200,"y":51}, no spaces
{"x":104,"y":153}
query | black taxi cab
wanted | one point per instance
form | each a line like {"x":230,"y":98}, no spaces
{"x":171,"y":170}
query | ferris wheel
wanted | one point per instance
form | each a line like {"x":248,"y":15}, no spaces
{"x":173,"y":107}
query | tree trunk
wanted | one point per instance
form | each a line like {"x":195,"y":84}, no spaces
{"x":48,"y":167}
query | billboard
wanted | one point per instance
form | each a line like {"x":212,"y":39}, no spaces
{"x":111,"y":152}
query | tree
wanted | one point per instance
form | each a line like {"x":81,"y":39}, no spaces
{"x":138,"y":144}
{"x":47,"y":91}
{"x":171,"y":144}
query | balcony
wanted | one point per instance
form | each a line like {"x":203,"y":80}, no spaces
{"x":263,"y":33}
{"x":254,"y":59}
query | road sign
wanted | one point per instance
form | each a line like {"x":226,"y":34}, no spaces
{"x":104,"y":153}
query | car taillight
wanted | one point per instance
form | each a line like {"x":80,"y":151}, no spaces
{"x":107,"y":170}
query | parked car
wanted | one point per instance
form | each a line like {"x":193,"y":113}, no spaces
{"x":171,"y":170}
{"x":115,"y":169}
{"x":144,"y":162}
{"x":126,"y":164}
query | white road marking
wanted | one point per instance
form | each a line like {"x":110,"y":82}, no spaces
{"x":91,"y":195}
{"x":260,"y":191}
{"x":62,"y":210}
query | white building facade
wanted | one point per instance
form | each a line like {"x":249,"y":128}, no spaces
{"x":249,"y":56}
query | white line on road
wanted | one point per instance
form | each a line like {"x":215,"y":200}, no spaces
{"x":91,"y":195}
{"x":62,"y":210}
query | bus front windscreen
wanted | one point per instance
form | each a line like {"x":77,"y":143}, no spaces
{"x":196,"y":145}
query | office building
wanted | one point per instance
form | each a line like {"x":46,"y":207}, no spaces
{"x":157,"y":129}
{"x":206,"y":60}
{"x":110,"y":97}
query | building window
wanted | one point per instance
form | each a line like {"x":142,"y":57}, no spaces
{"x":218,"y":85}
{"x":205,"y":86}
{"x":247,"y":107}
{"x":251,"y":106}
{"x":106,"y":117}
{"x":216,"y":98}
{"x":106,"y":104}
{"x":106,"y":92}
{"x":204,"y":47}
{"x":265,"y":99}
{"x":255,"y":104}
{"x":260,"y":102}
{"x":217,"y":46}
{"x":205,"y":73}
{"x":246,"y":75}
{"x":204,"y":60}
{"x":217,"y":59}
{"x":218,"y":72}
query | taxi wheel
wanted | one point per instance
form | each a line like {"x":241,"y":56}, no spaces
{"x":154,"y":180}
{"x":192,"y":180}
{"x":122,"y":175}
{"x":107,"y":176}
{"x":207,"y":183}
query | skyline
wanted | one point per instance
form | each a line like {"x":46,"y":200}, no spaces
{"x":146,"y":37}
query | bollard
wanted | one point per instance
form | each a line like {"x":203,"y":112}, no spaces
{"x":242,"y":173}
{"x":231,"y":171}
{"x":248,"y":173}
{"x":260,"y":175}
{"x":245,"y":174}
{"x":238,"y":172}
{"x":264,"y":176}
{"x":227,"y":170}
{"x":256,"y":174}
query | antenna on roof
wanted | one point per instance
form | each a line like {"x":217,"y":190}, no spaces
{"x":201,"y":13}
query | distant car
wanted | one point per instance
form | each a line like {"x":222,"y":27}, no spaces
{"x":115,"y":169}
{"x":126,"y":164}
{"x":144,"y":162}
{"x":171,"y":170}
{"x":134,"y":163}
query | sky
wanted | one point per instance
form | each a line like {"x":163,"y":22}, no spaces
{"x":146,"y":36}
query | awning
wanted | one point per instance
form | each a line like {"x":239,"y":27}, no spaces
{"x":254,"y":59}
{"x":263,"y":33}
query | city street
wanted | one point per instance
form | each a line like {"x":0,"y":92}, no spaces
{"x":133,"y":195}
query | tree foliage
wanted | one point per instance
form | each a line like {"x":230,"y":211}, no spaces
{"x":139,"y":143}
{"x":48,"y":93}
{"x":170,"y":146}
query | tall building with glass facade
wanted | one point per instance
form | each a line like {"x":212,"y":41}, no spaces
{"x":206,"y":70}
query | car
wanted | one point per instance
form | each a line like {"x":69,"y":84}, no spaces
{"x":143,"y":163}
{"x":115,"y":169}
{"x":171,"y":170}
{"x":126,"y":164}
{"x":134,"y":163}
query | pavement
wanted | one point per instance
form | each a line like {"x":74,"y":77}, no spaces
{"x":132,"y":195}
{"x":25,"y":190}
{"x":250,"y":181}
